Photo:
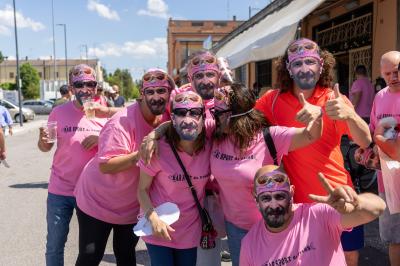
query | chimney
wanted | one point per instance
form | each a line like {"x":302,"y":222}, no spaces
{"x":234,"y":18}
{"x":26,"y":58}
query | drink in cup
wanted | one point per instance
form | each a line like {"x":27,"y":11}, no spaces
{"x":51,"y":129}
{"x":88,"y":107}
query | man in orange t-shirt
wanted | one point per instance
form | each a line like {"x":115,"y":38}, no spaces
{"x":306,"y":70}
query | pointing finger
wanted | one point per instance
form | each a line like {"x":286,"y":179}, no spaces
{"x":302,"y":99}
{"x":325,"y":183}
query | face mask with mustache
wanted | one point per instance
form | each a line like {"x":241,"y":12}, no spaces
{"x":275,"y":218}
{"x":307,"y":80}
{"x":206,"y":90}
{"x":157,"y":107}
{"x":187,"y":128}
{"x":82,"y":95}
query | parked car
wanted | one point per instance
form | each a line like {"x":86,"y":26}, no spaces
{"x":27,"y":114}
{"x":38,"y":106}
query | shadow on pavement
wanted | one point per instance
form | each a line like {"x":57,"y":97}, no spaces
{"x":142,"y":258}
{"x":43,"y":185}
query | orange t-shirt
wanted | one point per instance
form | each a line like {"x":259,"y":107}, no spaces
{"x":324,"y":155}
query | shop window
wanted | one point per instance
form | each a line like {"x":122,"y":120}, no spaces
{"x":264,"y":73}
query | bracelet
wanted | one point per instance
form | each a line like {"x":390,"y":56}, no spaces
{"x":148,"y":212}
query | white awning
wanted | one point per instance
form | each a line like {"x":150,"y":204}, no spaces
{"x":269,"y":37}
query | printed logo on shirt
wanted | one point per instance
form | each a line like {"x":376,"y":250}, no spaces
{"x":290,"y":258}
{"x":227,"y":157}
{"x":380,"y":116}
{"x":67,"y":129}
{"x":181,"y":177}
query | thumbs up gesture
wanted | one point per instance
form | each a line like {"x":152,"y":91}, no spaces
{"x":309,"y":112}
{"x":343,"y":198}
{"x":336,"y":108}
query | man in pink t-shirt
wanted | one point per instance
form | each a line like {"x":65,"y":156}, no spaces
{"x":387,"y":105}
{"x":303,"y":233}
{"x":106,"y":191}
{"x":362,"y":93}
{"x":77,"y":138}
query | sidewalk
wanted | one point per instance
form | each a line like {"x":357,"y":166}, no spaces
{"x":28,"y":126}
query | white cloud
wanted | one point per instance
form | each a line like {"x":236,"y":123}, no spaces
{"x":102,"y":10}
{"x":155,"y":8}
{"x":7,"y":21}
{"x":155,"y":48}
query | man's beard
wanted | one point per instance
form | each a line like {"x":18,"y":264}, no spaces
{"x":275,"y":218}
{"x":206,"y":91}
{"x":156,"y":107}
{"x":306,"y":81}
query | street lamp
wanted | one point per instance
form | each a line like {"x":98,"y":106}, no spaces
{"x":54,"y":50}
{"x":252,"y":8}
{"x":86,"y":49}
{"x":65,"y":41}
{"x":21,"y":116}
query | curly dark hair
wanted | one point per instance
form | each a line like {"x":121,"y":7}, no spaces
{"x":285,"y":82}
{"x":242,"y":129}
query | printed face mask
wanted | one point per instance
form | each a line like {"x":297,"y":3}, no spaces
{"x":305,"y":72}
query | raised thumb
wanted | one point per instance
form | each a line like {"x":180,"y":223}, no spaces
{"x":336,"y":90}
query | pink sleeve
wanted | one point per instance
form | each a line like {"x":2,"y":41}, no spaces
{"x":244,"y":254}
{"x":113,"y":142}
{"x":355,"y":87}
{"x":282,"y":137}
{"x":152,"y":168}
{"x":52,"y":116}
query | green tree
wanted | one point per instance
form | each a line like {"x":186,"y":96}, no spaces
{"x":30,"y":81}
{"x":1,"y":57}
{"x":104,"y":72}
{"x":8,"y":86}
{"x":123,"y":79}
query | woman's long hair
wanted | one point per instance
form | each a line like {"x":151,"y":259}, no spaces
{"x":242,"y":129}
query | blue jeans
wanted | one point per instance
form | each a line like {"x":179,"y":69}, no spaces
{"x":59,"y":213}
{"x":235,"y":236}
{"x":166,"y":256}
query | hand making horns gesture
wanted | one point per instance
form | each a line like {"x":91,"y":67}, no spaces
{"x":343,"y":198}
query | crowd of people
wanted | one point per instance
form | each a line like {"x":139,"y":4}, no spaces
{"x":272,"y":166}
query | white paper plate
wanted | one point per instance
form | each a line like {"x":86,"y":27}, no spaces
{"x":168,"y":212}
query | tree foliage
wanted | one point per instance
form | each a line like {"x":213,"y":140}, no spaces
{"x":123,"y":79}
{"x":30,"y":81}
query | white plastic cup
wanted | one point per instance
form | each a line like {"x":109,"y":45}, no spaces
{"x":51,"y":129}
{"x":88,"y":107}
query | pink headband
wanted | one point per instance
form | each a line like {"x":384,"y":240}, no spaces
{"x":302,"y":51}
{"x":82,"y":72}
{"x":189,"y":99}
{"x":203,"y":67}
{"x":272,"y":186}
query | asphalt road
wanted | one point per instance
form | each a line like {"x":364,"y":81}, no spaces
{"x":23,"y":192}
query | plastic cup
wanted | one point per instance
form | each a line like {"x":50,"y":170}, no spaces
{"x":88,"y":107}
{"x":51,"y":129}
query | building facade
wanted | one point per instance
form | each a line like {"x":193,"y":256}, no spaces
{"x":187,"y":36}
{"x":357,"y":32}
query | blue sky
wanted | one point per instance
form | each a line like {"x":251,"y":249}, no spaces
{"x":121,"y":33}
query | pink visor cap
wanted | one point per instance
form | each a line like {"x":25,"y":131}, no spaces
{"x":269,"y":182}
{"x":302,"y":48}
{"x":82,"y":72}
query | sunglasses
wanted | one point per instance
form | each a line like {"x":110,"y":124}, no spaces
{"x":276,"y":178}
{"x":78,"y":71}
{"x":82,"y":84}
{"x":297,"y":47}
{"x":193,"y":112}
{"x":204,"y":59}
{"x":155,"y":76}
{"x":217,"y":113}
{"x":150,"y":92}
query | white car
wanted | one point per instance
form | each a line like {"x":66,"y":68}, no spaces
{"x":27,"y":114}
{"x":38,"y":106}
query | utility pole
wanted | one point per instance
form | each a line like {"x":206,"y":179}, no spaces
{"x":54,"y":51}
{"x":18,"y":81}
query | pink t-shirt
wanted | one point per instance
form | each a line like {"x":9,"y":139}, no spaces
{"x":364,"y":86}
{"x":235,"y":173}
{"x":386,"y":104}
{"x":312,"y":238}
{"x":70,"y":157}
{"x":169,"y":185}
{"x":112,"y":197}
